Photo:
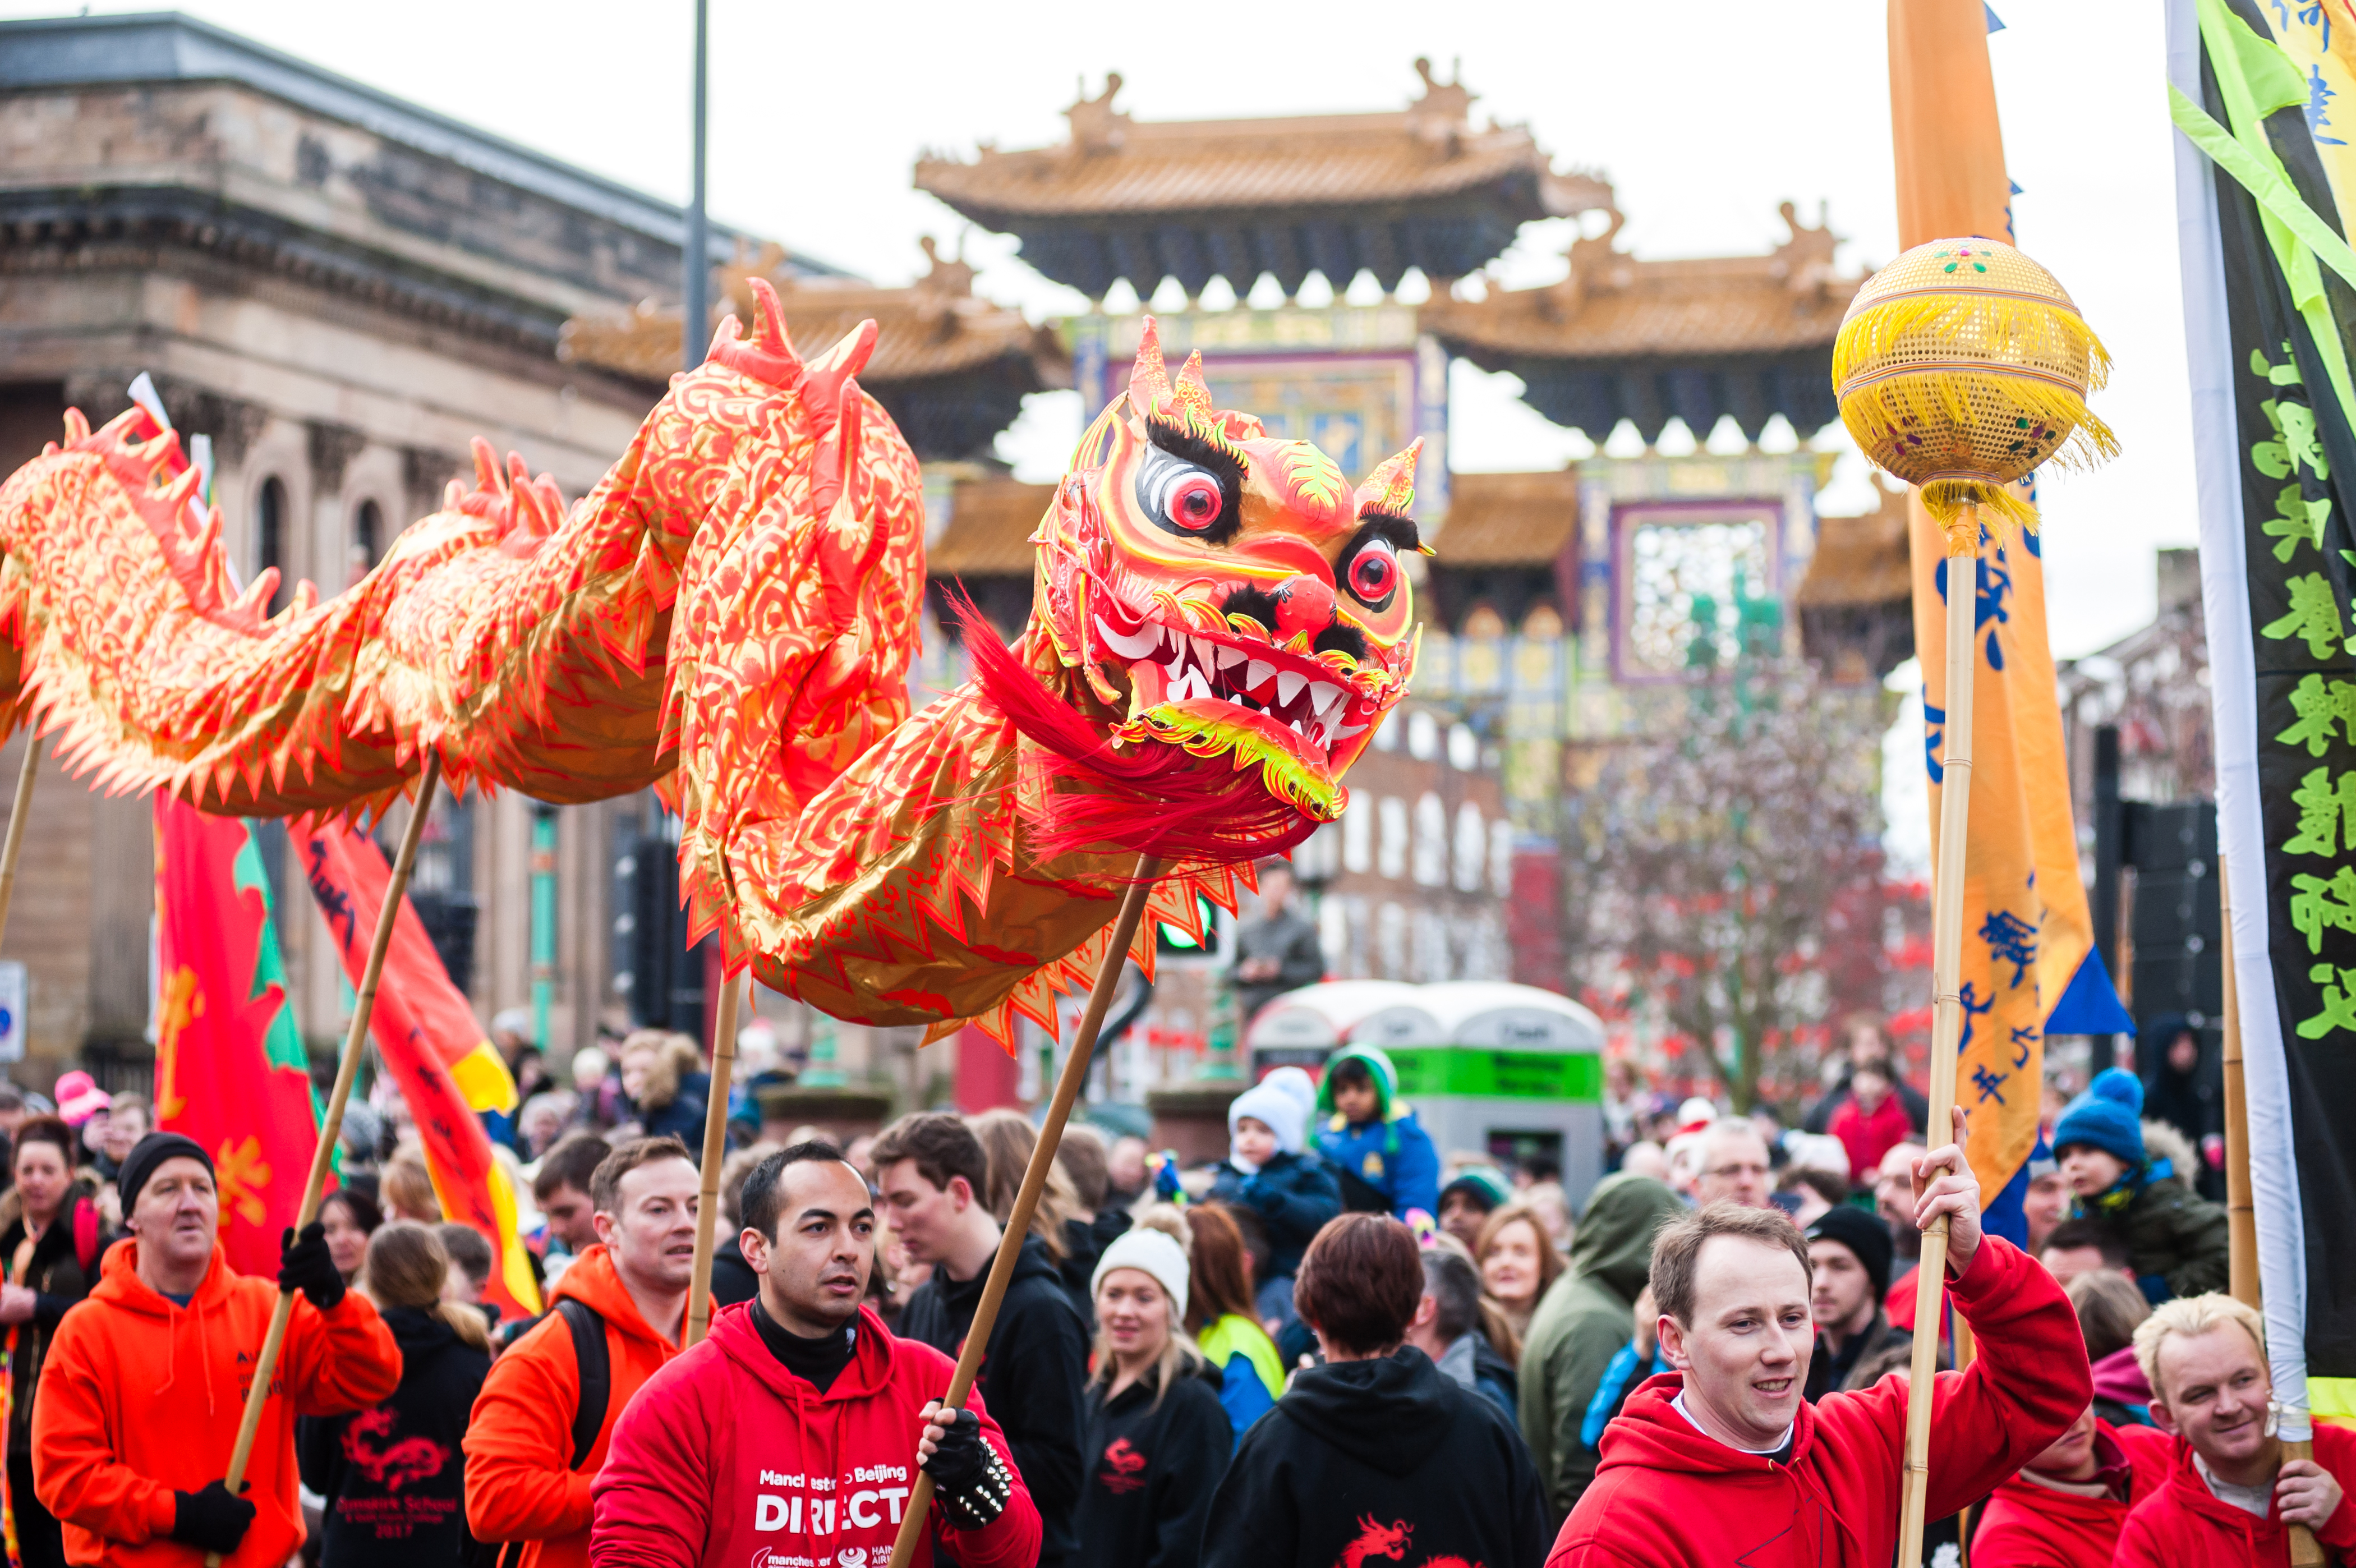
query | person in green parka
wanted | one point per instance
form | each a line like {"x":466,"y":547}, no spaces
{"x":1584,"y":1320}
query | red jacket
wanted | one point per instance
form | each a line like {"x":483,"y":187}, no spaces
{"x":2031,"y":1526}
{"x":1869,"y":1137}
{"x":728,"y":1460}
{"x":140,"y":1399}
{"x":520,"y":1483}
{"x":2183,"y":1525}
{"x":1664,"y":1493}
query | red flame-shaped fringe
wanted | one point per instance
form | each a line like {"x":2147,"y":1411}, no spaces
{"x":1159,"y":800}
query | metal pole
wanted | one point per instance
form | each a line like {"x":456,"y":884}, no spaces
{"x":695,"y":259}
{"x":1947,"y":1021}
{"x":396,"y":887}
{"x":716,"y":1154}
{"x":1035,"y":1181}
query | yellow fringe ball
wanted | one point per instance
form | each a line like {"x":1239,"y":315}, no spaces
{"x":1961,"y":366}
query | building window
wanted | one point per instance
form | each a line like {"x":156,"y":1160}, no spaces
{"x":1431,"y":841}
{"x":270,"y":538}
{"x":368,"y":536}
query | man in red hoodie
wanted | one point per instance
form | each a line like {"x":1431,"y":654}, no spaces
{"x":2065,"y":1508}
{"x":791,"y":1435}
{"x":1722,"y":1461}
{"x":2229,"y":1491}
{"x":145,"y":1381}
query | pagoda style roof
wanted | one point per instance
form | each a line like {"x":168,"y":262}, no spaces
{"x":1507,"y":520}
{"x":1624,"y":338}
{"x":1203,"y":199}
{"x":950,"y":368}
{"x":988,"y":528}
{"x":1857,"y":602}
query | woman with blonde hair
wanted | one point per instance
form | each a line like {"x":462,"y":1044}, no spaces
{"x":1157,"y":1440}
{"x":664,"y":1081}
{"x":1517,"y":1263}
{"x":1007,"y":1140}
{"x":394,"y":1477}
{"x":405,"y":1189}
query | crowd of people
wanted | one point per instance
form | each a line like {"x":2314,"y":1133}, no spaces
{"x":1336,"y":1344}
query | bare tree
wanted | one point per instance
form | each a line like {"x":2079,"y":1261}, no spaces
{"x":1726,"y":874}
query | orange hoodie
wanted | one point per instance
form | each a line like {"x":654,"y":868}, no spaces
{"x":520,"y":1485}
{"x":140,"y":1399}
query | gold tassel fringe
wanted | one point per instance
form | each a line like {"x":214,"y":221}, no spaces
{"x":2048,"y":337}
{"x":1973,"y":405}
{"x":1946,"y":500}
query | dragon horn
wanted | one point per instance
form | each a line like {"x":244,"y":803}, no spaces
{"x":824,"y":380}
{"x":1391,"y":486}
{"x":486,"y":465}
{"x":831,"y":464}
{"x":1192,"y":391}
{"x":770,"y":321}
{"x":1149,"y":382}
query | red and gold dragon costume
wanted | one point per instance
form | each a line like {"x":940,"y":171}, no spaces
{"x":1219,"y":624}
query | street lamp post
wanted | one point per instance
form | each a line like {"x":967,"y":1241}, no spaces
{"x":695,"y":259}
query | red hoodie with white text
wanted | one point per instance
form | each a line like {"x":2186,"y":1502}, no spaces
{"x":1664,"y":1493}
{"x":728,"y":1460}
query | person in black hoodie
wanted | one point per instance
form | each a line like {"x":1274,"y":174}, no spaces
{"x":50,"y":1241}
{"x":931,"y":1174}
{"x":394,"y":1477}
{"x":1375,"y":1454}
{"x":1158,"y":1437}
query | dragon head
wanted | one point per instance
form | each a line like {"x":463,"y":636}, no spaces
{"x":1227,"y":591}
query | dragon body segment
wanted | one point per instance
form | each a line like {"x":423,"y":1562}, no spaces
{"x":729,"y":617}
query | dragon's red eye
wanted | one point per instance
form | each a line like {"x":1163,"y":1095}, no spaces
{"x":1373,"y":571}
{"x":1194,"y":503}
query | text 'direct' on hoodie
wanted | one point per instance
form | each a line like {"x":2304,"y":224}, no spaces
{"x":728,"y":1460}
{"x":140,"y":1398}
{"x":1666,"y":1493}
{"x":1374,"y":1460}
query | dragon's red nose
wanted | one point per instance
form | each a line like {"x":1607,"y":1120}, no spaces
{"x":1304,"y":604}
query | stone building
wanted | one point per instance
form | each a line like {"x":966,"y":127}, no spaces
{"x":341,"y":289}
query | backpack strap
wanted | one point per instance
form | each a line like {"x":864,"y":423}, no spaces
{"x":596,"y":1374}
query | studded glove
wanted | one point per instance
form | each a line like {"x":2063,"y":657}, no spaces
{"x":969,"y":1477}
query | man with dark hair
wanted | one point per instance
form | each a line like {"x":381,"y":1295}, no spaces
{"x":2084,"y":1246}
{"x":788,"y":1434}
{"x":1447,"y":1327}
{"x":931,"y":1172}
{"x":616,"y":1320}
{"x":561,"y":1190}
{"x":1848,"y":1254}
{"x":1724,"y":1461}
{"x":1374,"y":1454}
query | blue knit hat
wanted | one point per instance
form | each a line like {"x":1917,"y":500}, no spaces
{"x":2108,"y":1116}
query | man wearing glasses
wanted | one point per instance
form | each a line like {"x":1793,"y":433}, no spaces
{"x":1734,"y":1165}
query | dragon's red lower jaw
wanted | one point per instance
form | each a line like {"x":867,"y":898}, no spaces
{"x":1286,"y":699}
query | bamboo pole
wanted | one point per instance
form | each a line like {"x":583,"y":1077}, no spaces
{"x":715,"y":1152}
{"x":332,"y":1127}
{"x":2241,"y":1204}
{"x":1947,"y":1022}
{"x":1034,"y":1179}
{"x":18,"y":813}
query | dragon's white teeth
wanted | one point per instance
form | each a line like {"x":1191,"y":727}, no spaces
{"x":1343,"y":732}
{"x":1137,"y":645}
{"x":1191,"y":684}
{"x":1203,"y":646}
{"x":1322,"y":696}
{"x":1258,"y":674}
{"x":1229,"y":658}
{"x":1288,"y":685}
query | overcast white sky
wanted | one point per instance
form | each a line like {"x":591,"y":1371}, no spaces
{"x":1704,"y":115}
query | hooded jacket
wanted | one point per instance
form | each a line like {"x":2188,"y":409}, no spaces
{"x":1033,"y":1374}
{"x":63,"y":1267}
{"x":726,"y":1459}
{"x":1153,"y":1466}
{"x":1294,"y":1196}
{"x":1666,"y":1493}
{"x":1586,"y":1318}
{"x":2177,"y":1242}
{"x":140,"y":1399}
{"x":520,"y":1483}
{"x":1084,"y":1241}
{"x":2033,"y":1524}
{"x":1392,"y":1153}
{"x":2183,"y":1524}
{"x":1251,"y":1374}
{"x":1374,"y":1460}
{"x":394,"y":1477}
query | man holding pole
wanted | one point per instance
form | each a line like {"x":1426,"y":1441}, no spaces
{"x":788,"y":1433}
{"x":1724,"y":1461}
{"x":141,"y":1392}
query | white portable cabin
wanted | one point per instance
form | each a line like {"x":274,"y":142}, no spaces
{"x":1510,"y":1070}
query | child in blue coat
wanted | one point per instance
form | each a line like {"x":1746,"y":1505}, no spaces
{"x":1373,"y":1138}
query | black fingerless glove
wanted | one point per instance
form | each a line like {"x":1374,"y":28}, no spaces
{"x":305,"y":1264}
{"x":969,"y":1477}
{"x":212,"y":1521}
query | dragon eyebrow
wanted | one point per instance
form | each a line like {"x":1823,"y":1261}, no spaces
{"x":1402,"y":531}
{"x":1197,"y":441}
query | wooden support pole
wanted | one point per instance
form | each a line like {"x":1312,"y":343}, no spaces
{"x":1947,"y":1022}
{"x":18,"y":813}
{"x":331,"y":1128}
{"x":715,"y":1153}
{"x":1035,"y":1180}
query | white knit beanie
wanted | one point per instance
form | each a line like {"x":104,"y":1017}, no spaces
{"x":1156,"y":1252}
